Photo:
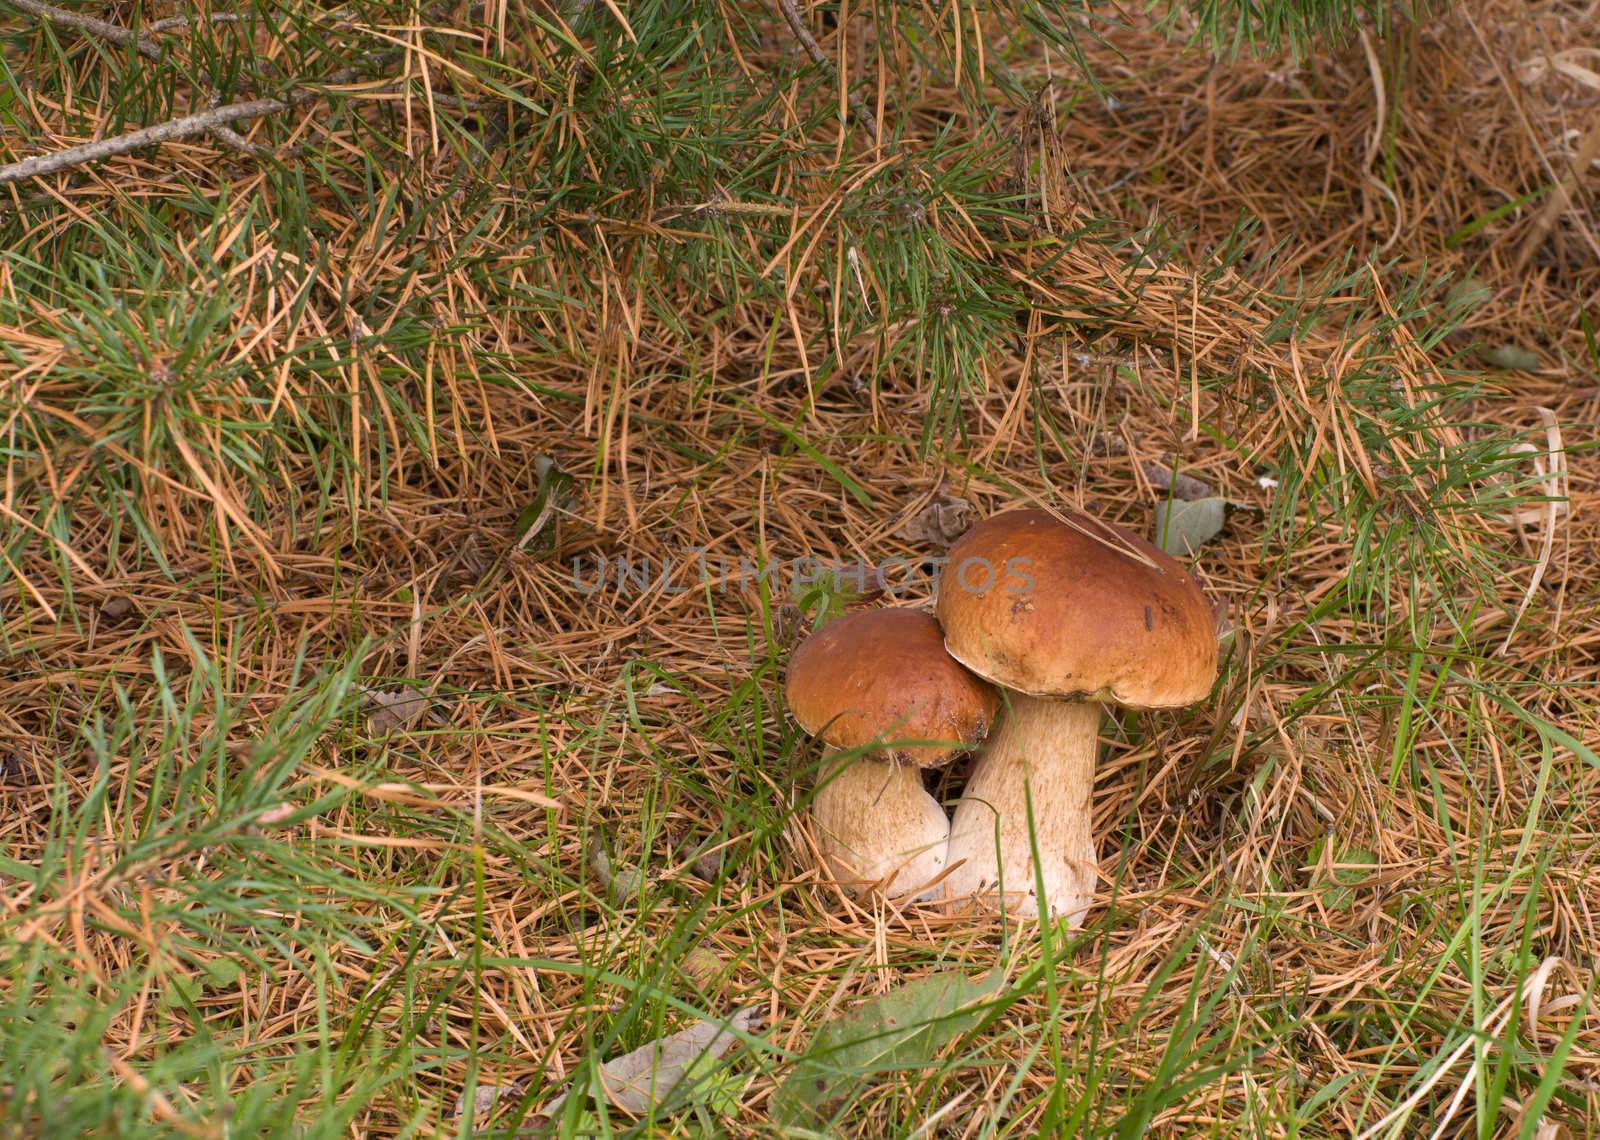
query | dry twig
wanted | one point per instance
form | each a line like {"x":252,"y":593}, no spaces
{"x":858,"y":106}
{"x":87,"y":24}
{"x":178,"y":23}
{"x":172,"y":131}
{"x":187,"y":127}
{"x":90,"y":25}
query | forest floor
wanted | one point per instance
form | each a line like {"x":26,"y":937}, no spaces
{"x":331,"y":786}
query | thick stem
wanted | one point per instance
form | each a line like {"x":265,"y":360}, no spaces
{"x":1044,"y":750}
{"x":875,"y":821}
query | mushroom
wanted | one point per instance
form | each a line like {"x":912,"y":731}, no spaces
{"x":864,"y":681}
{"x":1064,"y":612}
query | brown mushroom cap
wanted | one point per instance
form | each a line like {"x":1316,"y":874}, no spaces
{"x":885,"y":673}
{"x":1062,"y":605}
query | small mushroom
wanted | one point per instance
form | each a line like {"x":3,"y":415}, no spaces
{"x":1064,"y":612}
{"x":868,"y":681}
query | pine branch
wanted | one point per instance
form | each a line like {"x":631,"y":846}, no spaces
{"x":178,"y":23}
{"x":186,"y":127}
{"x":88,"y":25}
{"x":858,"y":106}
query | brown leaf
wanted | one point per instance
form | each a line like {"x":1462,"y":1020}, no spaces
{"x":1185,"y":487}
{"x":702,"y":968}
{"x":485,"y":1097}
{"x":395,"y":709}
{"x":940,"y":523}
{"x":708,"y":867}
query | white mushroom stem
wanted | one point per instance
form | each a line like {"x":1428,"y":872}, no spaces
{"x":1042,"y":755}
{"x":876,"y":822}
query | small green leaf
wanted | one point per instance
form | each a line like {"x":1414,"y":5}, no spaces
{"x":1351,"y":870}
{"x":903,"y":1029}
{"x":222,"y":974}
{"x":819,"y":605}
{"x":725,"y":1097}
{"x":534,"y":525}
{"x":1511,"y":358}
{"x":181,"y":990}
{"x":835,"y":590}
{"x":1183,"y":527}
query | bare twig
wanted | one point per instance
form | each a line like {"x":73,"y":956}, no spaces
{"x":87,"y":24}
{"x":857,"y":106}
{"x":233,"y":140}
{"x":186,"y":127}
{"x":146,"y":47}
{"x":177,"y":23}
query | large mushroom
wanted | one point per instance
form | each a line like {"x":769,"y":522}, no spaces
{"x":1066,"y":613}
{"x":879,"y":684}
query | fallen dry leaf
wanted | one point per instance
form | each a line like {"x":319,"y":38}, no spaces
{"x":939,"y":523}
{"x":394,"y":709}
{"x":485,"y":1097}
{"x":637,"y":1081}
{"x":1182,"y":526}
{"x":1531,"y":71}
{"x":1185,"y":487}
{"x":621,"y":883}
{"x":275,"y":815}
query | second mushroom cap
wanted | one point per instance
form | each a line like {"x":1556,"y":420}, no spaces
{"x":885,"y":674}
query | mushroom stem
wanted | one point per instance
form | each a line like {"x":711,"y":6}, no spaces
{"x":876,"y":822}
{"x":1045,"y":749}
